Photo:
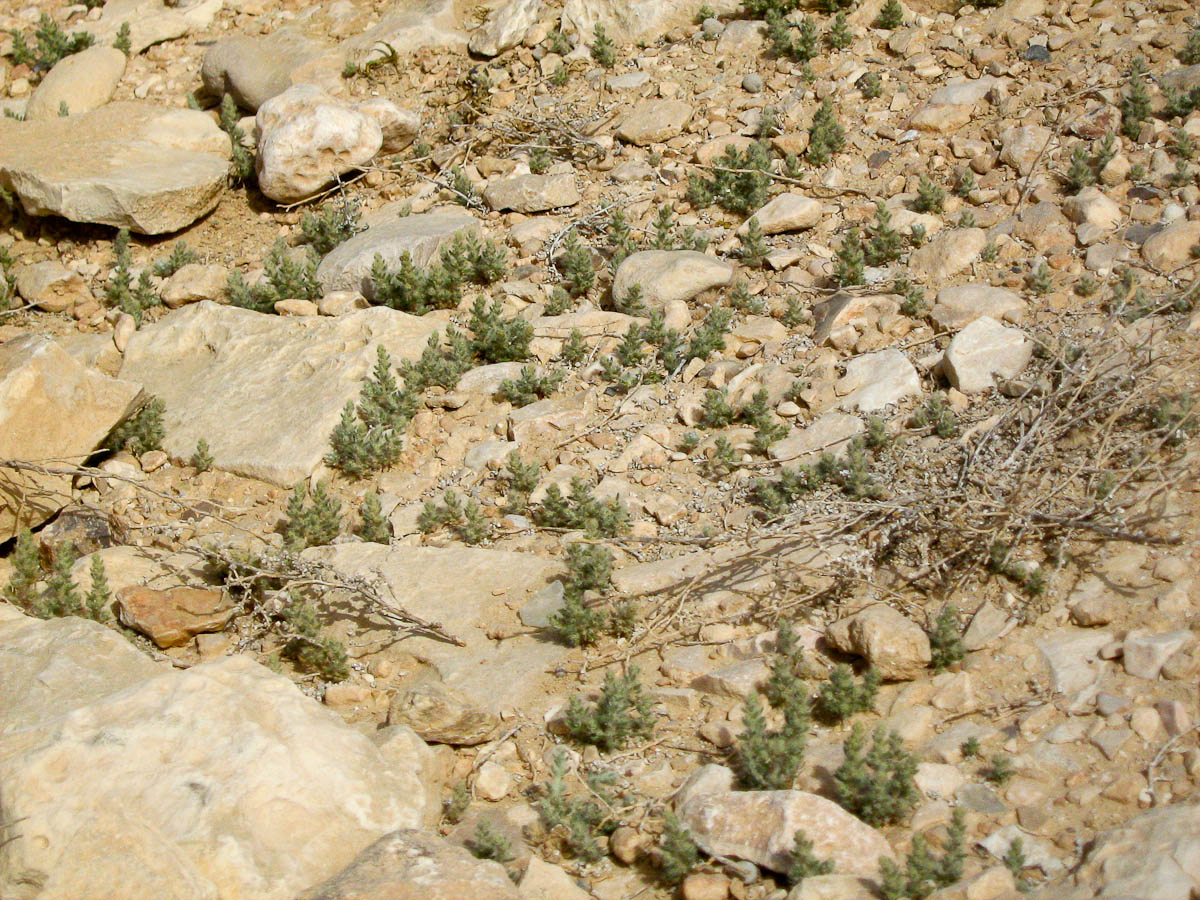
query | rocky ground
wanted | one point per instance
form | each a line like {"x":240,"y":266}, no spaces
{"x":857,"y":344}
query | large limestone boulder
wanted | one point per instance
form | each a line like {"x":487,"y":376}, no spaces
{"x":348,"y":266}
{"x":135,"y":780}
{"x":51,"y":407}
{"x":83,"y":81}
{"x":148,"y":168}
{"x":761,"y":826}
{"x":253,"y":70}
{"x":470,"y":592}
{"x":239,"y":379}
{"x":669,"y":275}
{"x":307,"y":139}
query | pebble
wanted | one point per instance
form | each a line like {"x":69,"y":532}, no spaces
{"x":752,"y":83}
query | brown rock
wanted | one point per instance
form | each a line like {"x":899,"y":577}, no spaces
{"x":173,"y":617}
{"x":705,"y":886}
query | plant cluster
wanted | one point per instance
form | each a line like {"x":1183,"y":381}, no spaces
{"x":604,"y":51}
{"x":825,"y":135}
{"x":284,"y":278}
{"x":803,"y":863}
{"x":589,"y":568}
{"x":620,"y":714}
{"x":768,"y":759}
{"x":876,"y":784}
{"x":930,"y":197}
{"x":464,"y":518}
{"x":488,"y":843}
{"x":529,"y":386}
{"x":1135,"y":102}
{"x":1189,"y":53}
{"x":936,"y":413}
{"x":335,"y":224}
{"x":580,"y":822}
{"x":842,"y":697}
{"x":677,"y":851}
{"x":241,"y":156}
{"x":416,"y":291}
{"x":181,"y":255}
{"x":797,"y":42}
{"x":124,"y":39}
{"x":924,"y":872}
{"x":849,"y":260}
{"x":851,"y":473}
{"x":308,"y":647}
{"x":578,"y":271}
{"x":370,"y":434}
{"x":521,"y":479}
{"x":1001,"y":561}
{"x":201,"y":459}
{"x":311,"y":524}
{"x":142,"y":432}
{"x":8,"y":281}
{"x":945,"y":640}
{"x":373,"y":525}
{"x":59,"y":595}
{"x":121,"y":291}
{"x":739,"y":180}
{"x":47,"y":45}
{"x":891,"y":15}
{"x":579,"y":510}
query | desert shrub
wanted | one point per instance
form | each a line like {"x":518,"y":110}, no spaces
{"x":848,"y":262}
{"x":521,"y":478}
{"x":738,"y":183}
{"x":201,"y":459}
{"x":936,"y":413}
{"x":141,"y":433}
{"x":309,"y":648}
{"x":121,"y":291}
{"x":465,"y":518}
{"x":181,"y":255}
{"x":767,"y":759}
{"x":884,"y":244}
{"x":488,"y":843}
{"x":839,"y":36}
{"x":710,"y":335}
{"x":47,"y":45}
{"x":930,"y":197}
{"x":842,"y":697}
{"x":335,"y":224}
{"x":787,"y":42}
{"x":620,"y":714}
{"x":579,"y":821}
{"x":311,"y":524}
{"x":890,"y":16}
{"x":529,"y":386}
{"x":370,"y":434}
{"x":825,"y":135}
{"x":495,"y":339}
{"x":677,"y":850}
{"x":876,"y":784}
{"x":804,"y":863}
{"x":373,"y":525}
{"x":580,"y":510}
{"x":1135,"y":101}
{"x":924,"y":872}
{"x":589,"y":568}
{"x":945,"y":640}
{"x":577,"y":266}
{"x":604,"y":51}
{"x":241,"y":157}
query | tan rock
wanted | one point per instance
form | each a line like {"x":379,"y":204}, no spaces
{"x":544,"y":881}
{"x":654,"y":121}
{"x":668,"y":275}
{"x":895,"y":646}
{"x":52,"y":286}
{"x":193,"y":283}
{"x":532,"y":193}
{"x":1172,"y":247}
{"x":441,"y":716}
{"x":51,"y":407}
{"x":83,"y":81}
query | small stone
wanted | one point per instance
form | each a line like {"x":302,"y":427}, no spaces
{"x":705,"y":886}
{"x":655,"y":121}
{"x":1093,"y":207}
{"x":1023,"y":146}
{"x":194,"y":282}
{"x":51,"y":286}
{"x":346,"y":695}
{"x":296,"y":308}
{"x":991,"y":884}
{"x":752,"y":83}
{"x":1145,"y":653}
{"x":441,"y":716}
{"x":1111,"y":740}
{"x":492,"y":781}
{"x":948,"y":253}
{"x":668,"y":275}
{"x":787,"y":212}
{"x":83,"y":81}
{"x":983,"y":350}
{"x":1145,"y":722}
{"x":1175,"y":717}
{"x":990,"y":623}
{"x":532,"y":193}
{"x":1172,"y":247}
{"x":625,"y":844}
{"x":1095,"y":610}
{"x":1036,"y":53}
{"x":959,"y":306}
{"x":874,"y":381}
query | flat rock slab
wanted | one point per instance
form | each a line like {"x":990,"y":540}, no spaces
{"x":264,"y":391}
{"x":207,"y":780}
{"x":655,"y":121}
{"x":828,"y":434}
{"x":532,"y":193}
{"x":669,"y":275}
{"x":51,"y":407}
{"x":442,"y":716}
{"x":468,"y":591}
{"x":761,"y":826}
{"x":132,"y":165}
{"x":173,"y":617}
{"x":959,"y":306}
{"x":877,"y":380}
{"x":348,"y":266}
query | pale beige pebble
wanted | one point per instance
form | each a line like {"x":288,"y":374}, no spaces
{"x":296,"y":308}
{"x":492,"y":781}
{"x":211,"y":646}
{"x":339,"y":303}
{"x":347,"y":695}
{"x":152,"y":460}
{"x":1175,"y":716}
{"x":1145,"y":722}
{"x":705,"y":886}
{"x":123,"y":331}
{"x":625,"y":844}
{"x":1170,"y":568}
